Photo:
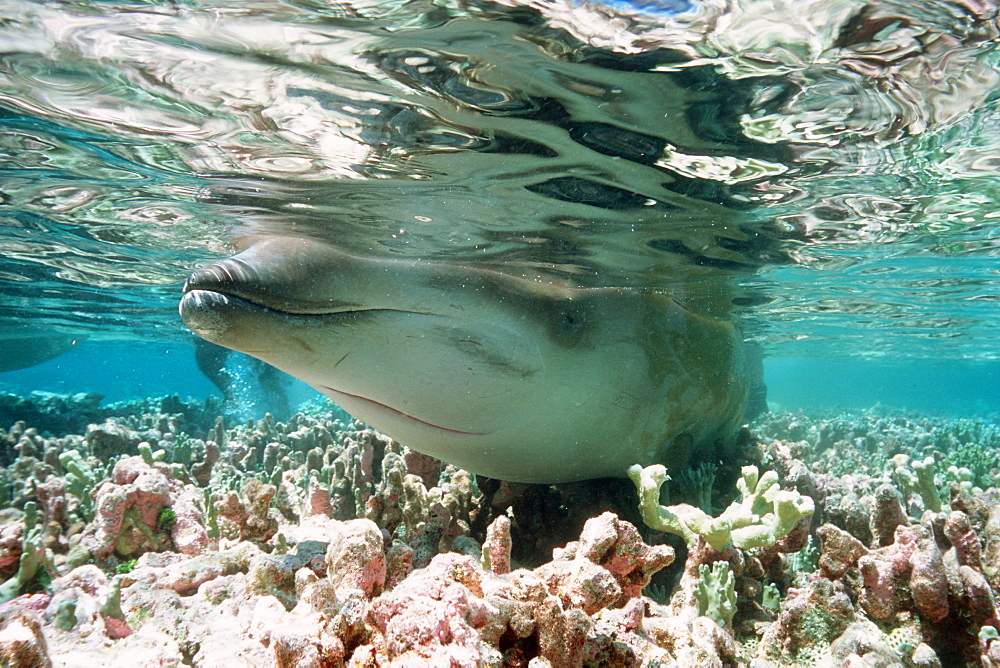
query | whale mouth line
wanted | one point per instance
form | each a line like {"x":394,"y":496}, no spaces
{"x":196,"y":293}
{"x":400,"y":413}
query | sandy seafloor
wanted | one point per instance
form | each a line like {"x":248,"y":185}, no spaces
{"x":156,"y":533}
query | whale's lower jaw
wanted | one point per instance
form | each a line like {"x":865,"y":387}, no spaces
{"x":516,"y":457}
{"x":377,"y":407}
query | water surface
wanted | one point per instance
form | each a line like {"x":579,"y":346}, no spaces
{"x":824,"y":172}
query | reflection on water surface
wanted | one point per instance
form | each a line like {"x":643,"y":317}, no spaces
{"x":826,"y":167}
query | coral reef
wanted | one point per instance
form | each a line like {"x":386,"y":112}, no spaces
{"x":763,"y":515}
{"x":156,"y":533}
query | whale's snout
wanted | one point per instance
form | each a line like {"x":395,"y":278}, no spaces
{"x":201,"y":311}
{"x":232,"y":275}
{"x":214,"y":294}
{"x":285,"y":276}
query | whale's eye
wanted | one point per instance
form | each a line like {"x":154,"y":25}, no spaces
{"x":568,"y":324}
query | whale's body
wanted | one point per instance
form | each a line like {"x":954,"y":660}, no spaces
{"x":509,"y":377}
{"x":24,"y":344}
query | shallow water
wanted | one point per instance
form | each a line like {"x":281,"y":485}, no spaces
{"x":823,"y":172}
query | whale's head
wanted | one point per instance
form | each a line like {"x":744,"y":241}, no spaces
{"x":509,"y":377}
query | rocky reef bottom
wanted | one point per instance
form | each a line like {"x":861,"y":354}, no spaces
{"x":162,"y":536}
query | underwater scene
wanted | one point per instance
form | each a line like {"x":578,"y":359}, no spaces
{"x":512,"y":333}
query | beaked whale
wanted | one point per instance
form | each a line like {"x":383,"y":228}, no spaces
{"x":515,"y":378}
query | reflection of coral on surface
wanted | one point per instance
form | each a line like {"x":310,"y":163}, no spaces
{"x":315,"y":542}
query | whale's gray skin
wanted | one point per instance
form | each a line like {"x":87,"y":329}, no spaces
{"x":512,"y":378}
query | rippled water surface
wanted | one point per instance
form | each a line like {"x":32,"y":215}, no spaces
{"x":825,"y":171}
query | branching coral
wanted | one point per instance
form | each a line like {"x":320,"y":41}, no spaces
{"x":919,"y":479}
{"x":34,"y":564}
{"x":698,"y":482}
{"x":81,"y":479}
{"x":247,"y":514}
{"x":762,"y":516}
{"x":715,"y":593}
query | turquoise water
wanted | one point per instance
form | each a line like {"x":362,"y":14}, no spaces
{"x":827,"y":178}
{"x":123,"y":371}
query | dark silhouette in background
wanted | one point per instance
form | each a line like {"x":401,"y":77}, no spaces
{"x":249,"y":386}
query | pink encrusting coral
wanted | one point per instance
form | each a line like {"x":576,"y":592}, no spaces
{"x":452,"y":612}
{"x":128,"y":509}
{"x":321,"y":543}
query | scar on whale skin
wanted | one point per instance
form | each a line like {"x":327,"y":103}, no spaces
{"x":504,"y":376}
